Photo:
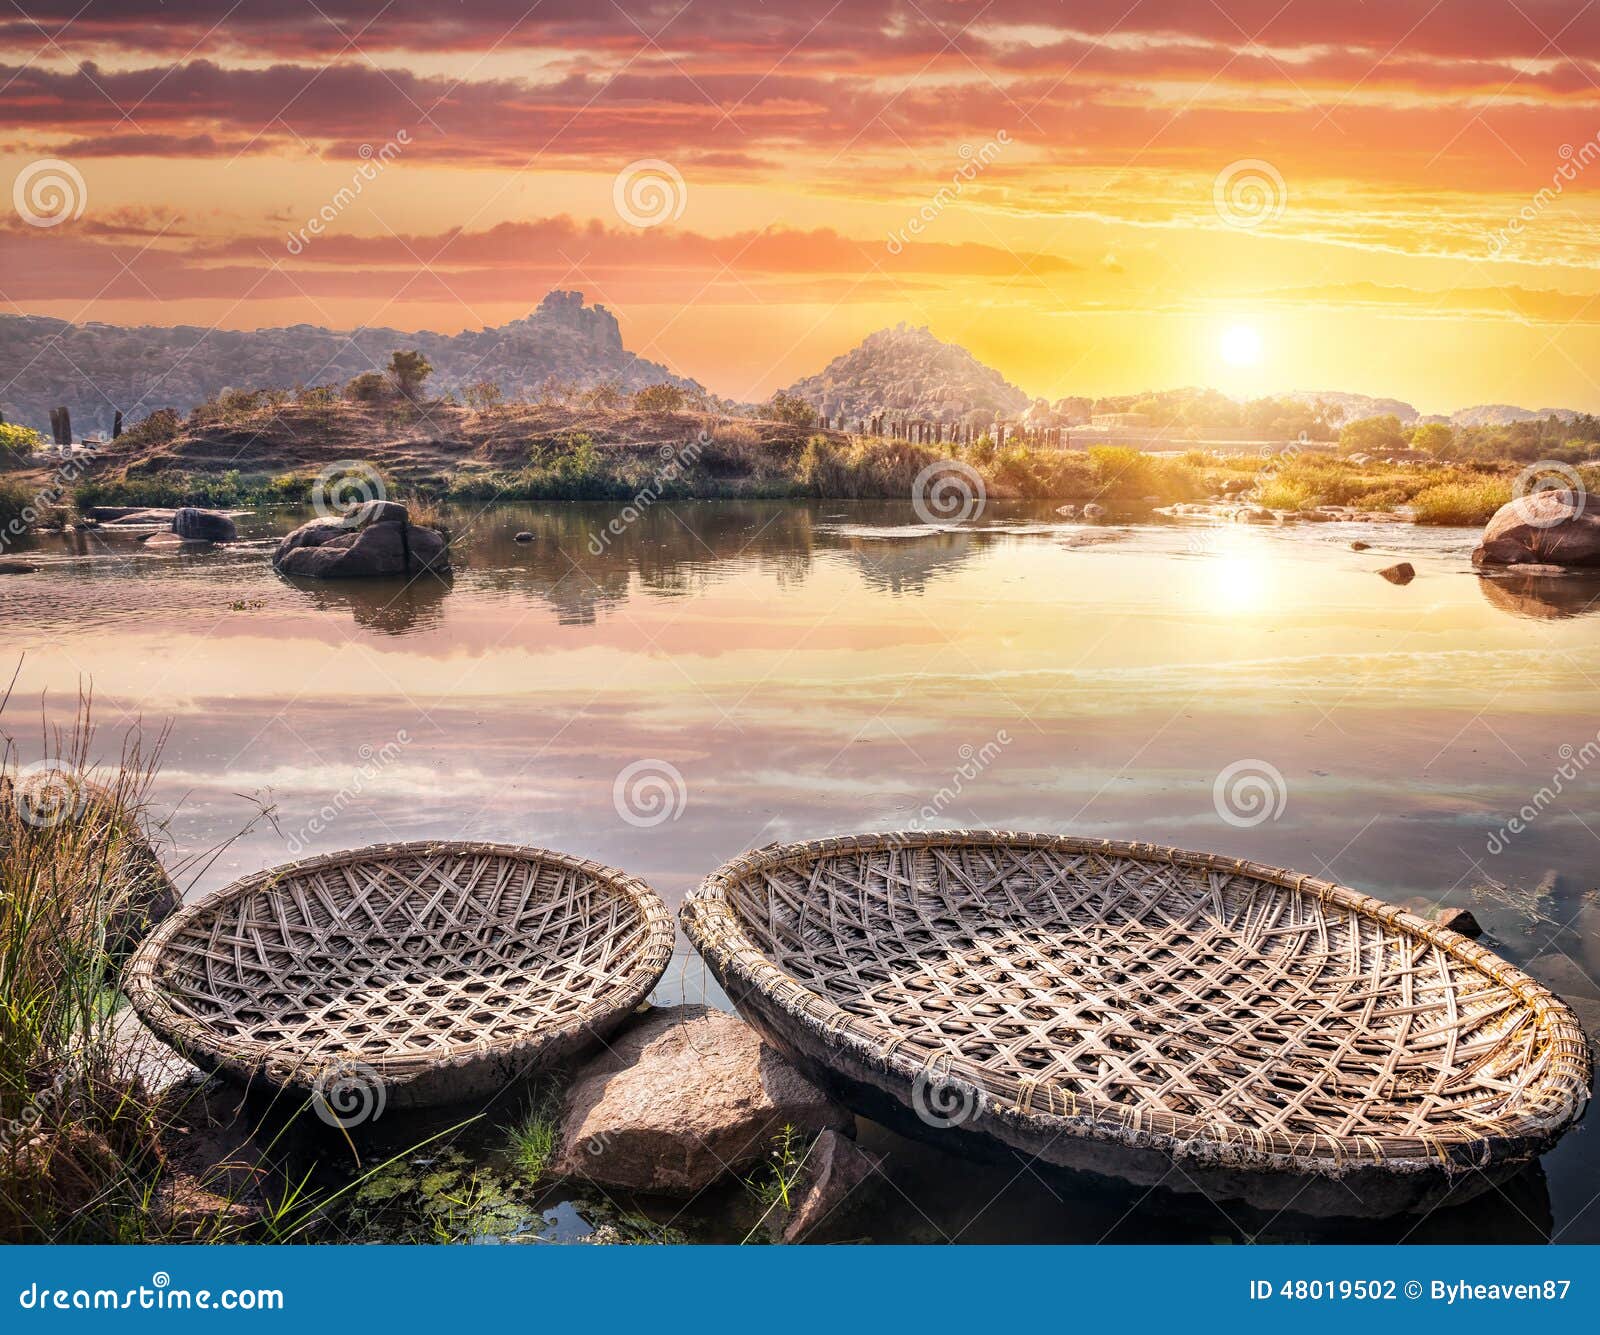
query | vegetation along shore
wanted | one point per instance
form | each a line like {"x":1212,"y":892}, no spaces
{"x":266,"y":447}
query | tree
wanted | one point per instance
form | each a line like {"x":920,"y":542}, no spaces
{"x":1372,"y":433}
{"x":1434,"y":437}
{"x":408,"y":369}
{"x":792,"y":409}
{"x":659,"y":399}
{"x":605,"y":396}
{"x":484,"y":395}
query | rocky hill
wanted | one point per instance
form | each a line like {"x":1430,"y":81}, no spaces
{"x":95,"y":369}
{"x":908,"y":370}
{"x":1353,"y":407}
{"x":1503,"y":414}
{"x":1356,"y":406}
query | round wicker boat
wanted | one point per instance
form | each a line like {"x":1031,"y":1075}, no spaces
{"x":444,"y":970}
{"x":1161,"y":1016}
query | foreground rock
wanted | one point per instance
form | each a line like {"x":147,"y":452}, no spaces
{"x":373,"y":540}
{"x":1402,"y":572}
{"x":1555,"y":527}
{"x":681,"y":1097}
{"x":204,"y":526}
{"x":838,"y":1176}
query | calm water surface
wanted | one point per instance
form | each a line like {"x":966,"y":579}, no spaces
{"x":818,"y":669}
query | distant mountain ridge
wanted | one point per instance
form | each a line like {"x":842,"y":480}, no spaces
{"x":1356,"y":406}
{"x":96,"y":369}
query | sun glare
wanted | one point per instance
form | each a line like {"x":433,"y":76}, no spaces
{"x":1240,"y":345}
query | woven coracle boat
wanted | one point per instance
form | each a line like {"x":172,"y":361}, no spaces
{"x":445,"y":970}
{"x":1155,"y":1015}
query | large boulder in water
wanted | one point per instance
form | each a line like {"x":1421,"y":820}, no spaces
{"x":680,"y":1098}
{"x":373,"y":540}
{"x":203,"y":526}
{"x":1558,"y":527}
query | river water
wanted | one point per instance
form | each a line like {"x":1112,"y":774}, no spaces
{"x":768,"y":671}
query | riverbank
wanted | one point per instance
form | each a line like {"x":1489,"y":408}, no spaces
{"x":258,"y":451}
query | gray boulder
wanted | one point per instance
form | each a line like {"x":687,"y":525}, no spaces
{"x":1554,"y":527}
{"x":837,"y":1177}
{"x":680,"y":1098}
{"x":372,"y":541}
{"x":203,"y":526}
{"x":377,"y":512}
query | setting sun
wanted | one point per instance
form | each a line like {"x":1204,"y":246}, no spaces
{"x":1240,"y":346}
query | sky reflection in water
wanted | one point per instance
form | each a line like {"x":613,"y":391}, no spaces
{"x":835,"y":667}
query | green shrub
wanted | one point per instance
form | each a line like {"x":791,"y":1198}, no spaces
{"x":1281,"y":493}
{"x":20,"y":439}
{"x":1461,"y":502}
{"x":368,"y":387}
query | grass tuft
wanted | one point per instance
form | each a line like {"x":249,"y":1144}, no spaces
{"x":532,"y":1141}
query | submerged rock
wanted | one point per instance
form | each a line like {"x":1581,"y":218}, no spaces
{"x":132,"y":516}
{"x":204,"y":526}
{"x":524,"y":536}
{"x":17,"y":568}
{"x":1093,"y":511}
{"x":1359,"y":546}
{"x":680,"y":1098}
{"x":1555,"y":527}
{"x":373,"y":540}
{"x":1457,"y":920}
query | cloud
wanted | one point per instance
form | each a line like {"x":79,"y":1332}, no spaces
{"x":491,"y":265}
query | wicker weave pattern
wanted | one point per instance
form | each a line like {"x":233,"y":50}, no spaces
{"x":1184,"y":994}
{"x":403,"y":955}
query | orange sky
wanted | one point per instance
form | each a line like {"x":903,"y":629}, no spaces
{"x":1396,"y":198}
